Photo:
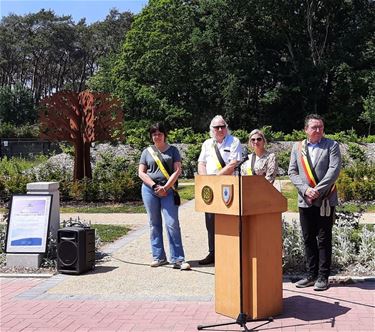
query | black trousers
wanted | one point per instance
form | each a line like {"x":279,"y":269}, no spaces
{"x":210,"y":226}
{"x":317,"y":237}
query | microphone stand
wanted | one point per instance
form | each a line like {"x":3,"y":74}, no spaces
{"x":242,"y":317}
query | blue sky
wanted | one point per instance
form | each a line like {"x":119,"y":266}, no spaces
{"x":92,"y":10}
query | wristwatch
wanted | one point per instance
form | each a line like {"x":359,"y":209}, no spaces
{"x":154,"y":186}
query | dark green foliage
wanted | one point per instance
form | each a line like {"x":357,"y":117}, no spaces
{"x":8,"y":130}
{"x":17,"y":105}
{"x":136,"y":133}
{"x":186,"y":135}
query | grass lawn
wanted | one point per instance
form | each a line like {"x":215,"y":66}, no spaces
{"x":133,"y":207}
{"x":110,"y":233}
{"x":290,"y":192}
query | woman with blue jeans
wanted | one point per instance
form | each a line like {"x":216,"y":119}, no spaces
{"x":158,"y":198}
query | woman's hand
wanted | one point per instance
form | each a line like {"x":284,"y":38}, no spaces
{"x":160,"y":191}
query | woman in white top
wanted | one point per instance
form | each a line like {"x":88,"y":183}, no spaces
{"x":260,"y":161}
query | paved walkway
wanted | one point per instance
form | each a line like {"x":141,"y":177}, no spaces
{"x":124,"y":294}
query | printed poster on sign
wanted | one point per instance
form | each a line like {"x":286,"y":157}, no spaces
{"x":28,"y":224}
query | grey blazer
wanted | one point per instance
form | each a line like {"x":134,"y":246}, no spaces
{"x":327,"y":167}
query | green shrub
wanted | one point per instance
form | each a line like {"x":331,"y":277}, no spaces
{"x":283,"y":158}
{"x":356,"y":152}
{"x":357,"y":182}
{"x":242,"y":135}
{"x":190,"y":162}
{"x":271,"y":135}
{"x":9,"y":130}
{"x":353,"y":246}
{"x":344,"y":136}
{"x":67,"y":148}
{"x":296,"y":135}
{"x":137,"y":137}
{"x":368,"y":139}
{"x":293,"y":249}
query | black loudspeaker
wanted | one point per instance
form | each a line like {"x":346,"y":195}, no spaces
{"x":75,"y":250}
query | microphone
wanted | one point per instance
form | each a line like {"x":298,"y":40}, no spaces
{"x":246,"y":158}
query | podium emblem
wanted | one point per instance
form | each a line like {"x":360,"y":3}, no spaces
{"x":227,"y":193}
{"x":207,"y":194}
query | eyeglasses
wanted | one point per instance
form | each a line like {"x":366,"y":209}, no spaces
{"x":315,"y":128}
{"x":219,"y":127}
{"x":256,"y":139}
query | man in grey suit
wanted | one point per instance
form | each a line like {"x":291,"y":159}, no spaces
{"x":314,"y":166}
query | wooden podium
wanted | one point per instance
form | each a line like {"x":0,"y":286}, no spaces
{"x":260,"y":210}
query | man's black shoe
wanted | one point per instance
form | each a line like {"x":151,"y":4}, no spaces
{"x":210,"y":259}
{"x":306,"y":282}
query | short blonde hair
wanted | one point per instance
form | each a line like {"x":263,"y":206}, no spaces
{"x":260,"y":133}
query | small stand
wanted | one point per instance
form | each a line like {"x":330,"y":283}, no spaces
{"x":242,"y":318}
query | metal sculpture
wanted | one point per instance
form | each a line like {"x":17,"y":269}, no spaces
{"x":81,"y":118}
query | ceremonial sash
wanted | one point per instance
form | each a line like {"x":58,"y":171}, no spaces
{"x":312,"y":178}
{"x":220,"y":163}
{"x":307,"y":164}
{"x":250,"y":169}
{"x":154,"y":154}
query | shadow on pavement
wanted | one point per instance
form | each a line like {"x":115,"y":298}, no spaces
{"x":307,"y":309}
{"x":103,"y":269}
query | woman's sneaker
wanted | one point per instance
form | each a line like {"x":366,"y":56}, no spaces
{"x":157,"y":262}
{"x":181,"y":265}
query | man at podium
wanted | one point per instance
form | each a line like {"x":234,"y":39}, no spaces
{"x":219,"y":156}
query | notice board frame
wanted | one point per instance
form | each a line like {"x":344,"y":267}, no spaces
{"x":28,"y":223}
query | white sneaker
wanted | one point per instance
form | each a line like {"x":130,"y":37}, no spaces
{"x":157,"y":262}
{"x":181,"y":265}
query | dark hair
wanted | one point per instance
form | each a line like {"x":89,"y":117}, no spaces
{"x":312,"y":117}
{"x":158,"y":126}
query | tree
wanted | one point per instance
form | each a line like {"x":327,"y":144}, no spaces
{"x":152,"y":72}
{"x":80,"y":118}
{"x":368,"y":115}
{"x":17,"y":106}
{"x":48,"y":53}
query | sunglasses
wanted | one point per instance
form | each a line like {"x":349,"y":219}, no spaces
{"x":256,"y":139}
{"x":219,"y":127}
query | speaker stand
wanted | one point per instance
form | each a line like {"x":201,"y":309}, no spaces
{"x":241,"y":320}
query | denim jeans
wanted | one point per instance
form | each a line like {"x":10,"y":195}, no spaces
{"x":156,"y":208}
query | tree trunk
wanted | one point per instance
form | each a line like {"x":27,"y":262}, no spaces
{"x":78,"y":159}
{"x":87,"y":164}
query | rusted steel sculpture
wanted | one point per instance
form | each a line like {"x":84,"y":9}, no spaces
{"x":80,"y":118}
